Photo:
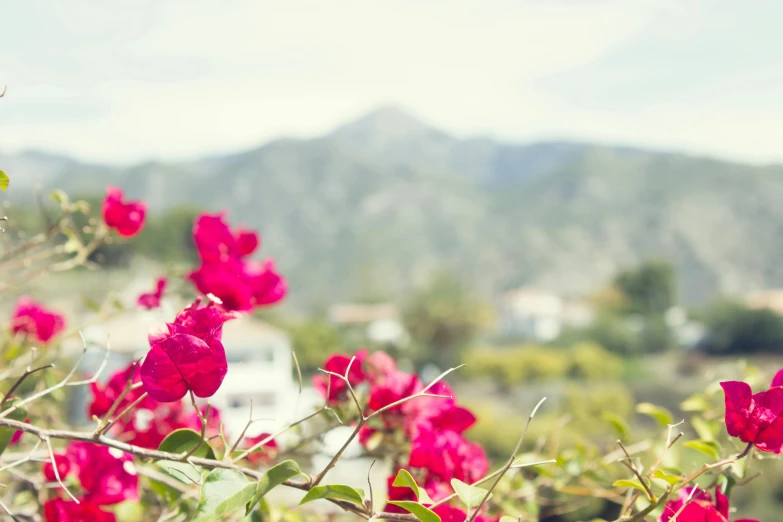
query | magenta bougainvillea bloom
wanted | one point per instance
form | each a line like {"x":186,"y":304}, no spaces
{"x":695,"y":505}
{"x":151,"y":300}
{"x":108,"y":476}
{"x":126,"y":218}
{"x":148,"y":423}
{"x":755,"y":419}
{"x":33,"y":319}
{"x":266,"y":454}
{"x":187,"y":354}
{"x":63,"y":467}
{"x":59,"y":510}
{"x":225,"y":271}
{"x":447,"y":455}
{"x":452,"y":514}
{"x":337,"y":389}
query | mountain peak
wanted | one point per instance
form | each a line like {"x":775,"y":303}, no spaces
{"x":386,"y":126}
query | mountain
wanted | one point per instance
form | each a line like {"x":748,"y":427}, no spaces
{"x":383,"y":201}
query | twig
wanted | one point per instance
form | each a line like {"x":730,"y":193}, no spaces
{"x":144,"y":453}
{"x":629,"y":464}
{"x":57,"y":471}
{"x":103,"y":425}
{"x":20,"y":380}
{"x":124,"y":412}
{"x":363,"y":419}
{"x":508,"y":465}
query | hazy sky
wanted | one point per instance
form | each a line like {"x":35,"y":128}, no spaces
{"x":136,"y":80}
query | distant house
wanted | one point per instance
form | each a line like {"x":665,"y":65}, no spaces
{"x":541,"y":315}
{"x":771,"y":299}
{"x":379,"y":323}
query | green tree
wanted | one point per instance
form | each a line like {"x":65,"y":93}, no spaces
{"x":313,"y":340}
{"x":443,"y":317}
{"x":649,"y":289}
{"x":733,"y":328}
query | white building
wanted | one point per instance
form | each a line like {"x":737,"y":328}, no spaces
{"x":541,"y":315}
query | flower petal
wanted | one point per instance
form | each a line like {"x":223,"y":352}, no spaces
{"x":160,"y":376}
{"x":739,"y":401}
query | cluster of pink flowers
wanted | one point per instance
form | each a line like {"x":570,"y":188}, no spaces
{"x":34,"y":320}
{"x":696,"y":505}
{"x":107,"y":476}
{"x":227,"y":273}
{"x":755,"y":418}
{"x":187,"y":355}
{"x":438,"y":450}
{"x":127,"y":218}
{"x":148,"y":423}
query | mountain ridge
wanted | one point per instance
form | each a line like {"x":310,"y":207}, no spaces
{"x":386,"y":199}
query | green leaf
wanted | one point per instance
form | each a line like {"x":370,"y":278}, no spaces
{"x":618,"y":423}
{"x":662,"y":415}
{"x":703,"y":430}
{"x":404,"y":479}
{"x":631,"y":484}
{"x":695,"y":403}
{"x":223,"y":491}
{"x":417,"y":510}
{"x":273,"y":477}
{"x":471,"y":496}
{"x":670,"y":479}
{"x":180,"y":442}
{"x":19,"y":414}
{"x":707,"y":447}
{"x":91,"y":304}
{"x":336,"y":491}
{"x":4,"y":180}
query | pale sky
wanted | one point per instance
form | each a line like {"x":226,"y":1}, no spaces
{"x":135,"y":80}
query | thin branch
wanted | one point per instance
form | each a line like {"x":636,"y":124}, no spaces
{"x":508,"y":465}
{"x":124,"y":412}
{"x":28,"y":372}
{"x":144,"y":453}
{"x":103,"y":425}
{"x":63,"y":383}
{"x":57,"y":471}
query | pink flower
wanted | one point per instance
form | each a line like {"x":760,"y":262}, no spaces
{"x":240,"y":285}
{"x":452,"y":514}
{"x":63,"y":467}
{"x":225,"y":272}
{"x":394,"y":387}
{"x":148,"y":423}
{"x":126,"y":218}
{"x":266,"y":453}
{"x":441,"y":413}
{"x":108,"y":476}
{"x":17,"y":436}
{"x":695,"y":505}
{"x":215,"y":242}
{"x":336,"y":388}
{"x":59,"y":510}
{"x":33,"y":319}
{"x":756,"y":419}
{"x":187,"y":354}
{"x":151,"y":300}
{"x":447,"y":455}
